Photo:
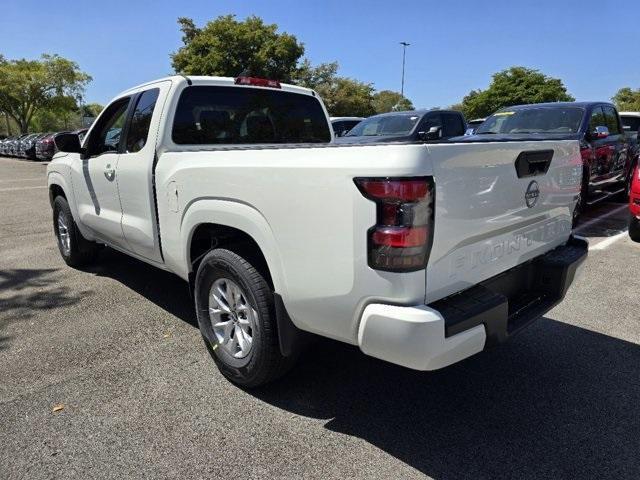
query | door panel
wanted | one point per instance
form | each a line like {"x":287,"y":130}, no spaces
{"x":617,"y":148}
{"x":97,"y":199}
{"x":600,"y":160}
{"x":95,"y":176}
{"x":135,"y":173}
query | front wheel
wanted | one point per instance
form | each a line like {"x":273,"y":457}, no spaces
{"x":74,"y":248}
{"x":236,"y":316}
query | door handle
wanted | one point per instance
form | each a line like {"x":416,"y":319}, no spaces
{"x":110,"y":173}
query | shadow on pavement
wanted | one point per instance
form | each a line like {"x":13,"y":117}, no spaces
{"x":23,"y":292}
{"x":557,"y":402}
{"x":165,"y":289}
{"x":604,"y":220}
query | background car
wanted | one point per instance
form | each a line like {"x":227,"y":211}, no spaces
{"x":634,"y":205}
{"x":605,"y":150}
{"x":30,"y":148}
{"x":14,"y":145}
{"x":3,"y":144}
{"x":409,"y":126}
{"x":472,"y":125}
{"x":26,"y":143}
{"x":631,"y":126}
{"x":46,"y":147}
{"x":342,"y":125}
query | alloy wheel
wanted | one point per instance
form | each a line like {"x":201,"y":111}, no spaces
{"x":232,"y":317}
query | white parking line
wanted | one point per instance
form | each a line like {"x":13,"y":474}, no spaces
{"x":21,"y":188}
{"x":613,"y":212}
{"x":607,"y":242}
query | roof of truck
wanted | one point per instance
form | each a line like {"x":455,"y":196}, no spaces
{"x":223,"y":81}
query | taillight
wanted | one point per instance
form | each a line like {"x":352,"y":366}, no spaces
{"x":257,"y":82}
{"x":400,"y":241}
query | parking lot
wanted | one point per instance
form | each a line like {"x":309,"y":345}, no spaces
{"x":104,"y":375}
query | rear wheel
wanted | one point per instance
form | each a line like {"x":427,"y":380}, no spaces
{"x":236,"y":315}
{"x":74,"y":248}
{"x":581,"y":204}
{"x":623,"y":196}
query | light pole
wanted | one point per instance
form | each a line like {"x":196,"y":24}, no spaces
{"x":404,"y":53}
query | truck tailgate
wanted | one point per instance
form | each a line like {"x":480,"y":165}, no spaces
{"x":498,"y":205}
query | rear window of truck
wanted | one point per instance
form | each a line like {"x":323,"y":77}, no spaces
{"x":231,"y":115}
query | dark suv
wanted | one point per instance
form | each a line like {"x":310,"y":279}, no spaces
{"x":606,"y":160}
{"x":410,"y":126}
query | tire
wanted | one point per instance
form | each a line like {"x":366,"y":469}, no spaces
{"x":623,"y":197}
{"x":581,"y":204}
{"x":634,"y":228}
{"x":75,"y":250}
{"x":225,"y":273}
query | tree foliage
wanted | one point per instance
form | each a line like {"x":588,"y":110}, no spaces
{"x":309,"y":76}
{"x":30,"y":86}
{"x":347,"y":97}
{"x":514,"y":86}
{"x":627,"y":100}
{"x":227,"y":47}
{"x":341,"y":95}
{"x":390,"y":101}
{"x":92,"y":109}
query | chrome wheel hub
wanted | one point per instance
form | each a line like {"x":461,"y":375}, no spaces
{"x":232,"y":317}
{"x":64,"y":236}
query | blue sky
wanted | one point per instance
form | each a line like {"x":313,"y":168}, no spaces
{"x":455,"y":46}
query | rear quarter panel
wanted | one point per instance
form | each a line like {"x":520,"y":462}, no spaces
{"x":303,"y":209}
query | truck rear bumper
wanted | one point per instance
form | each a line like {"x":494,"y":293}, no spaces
{"x":428,"y":337}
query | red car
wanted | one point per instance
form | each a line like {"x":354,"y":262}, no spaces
{"x":634,"y":206}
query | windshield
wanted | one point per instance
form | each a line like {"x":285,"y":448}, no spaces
{"x":533,"y":120}
{"x":400,"y":124}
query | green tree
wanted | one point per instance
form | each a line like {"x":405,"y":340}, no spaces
{"x":347,"y":97}
{"x":627,"y":100}
{"x":92,"y":109}
{"x":228,"y":47}
{"x":389,"y":101}
{"x":30,"y":86}
{"x":312,"y":77}
{"x":514,"y":86}
{"x":62,"y":113}
{"x":342,"y":96}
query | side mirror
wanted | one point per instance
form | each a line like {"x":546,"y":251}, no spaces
{"x":434,"y":133}
{"x":68,"y":142}
{"x":600,"y":132}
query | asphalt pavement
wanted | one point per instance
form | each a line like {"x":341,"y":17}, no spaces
{"x":103,"y":374}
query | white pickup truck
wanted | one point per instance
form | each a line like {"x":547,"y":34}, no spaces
{"x":422,"y":254}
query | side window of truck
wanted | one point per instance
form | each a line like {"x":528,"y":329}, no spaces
{"x":105,"y":136}
{"x":597,"y":119}
{"x":611,"y":117}
{"x":430,"y":120}
{"x":452,"y":125}
{"x":141,"y":120}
